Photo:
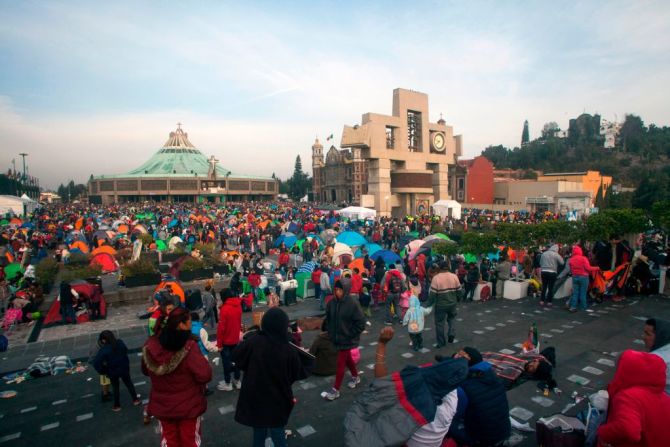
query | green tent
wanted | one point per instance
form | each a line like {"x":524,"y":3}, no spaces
{"x":11,"y":270}
{"x":4,"y":222}
{"x":442,"y":236}
{"x":299,"y":244}
{"x":160,"y":245}
{"x":413,"y":234}
{"x":469,"y":257}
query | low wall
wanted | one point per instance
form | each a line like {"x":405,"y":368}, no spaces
{"x":143,"y":294}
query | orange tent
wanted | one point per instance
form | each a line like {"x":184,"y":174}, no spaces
{"x":357,"y":263}
{"x":79,"y":245}
{"x":15,"y":221}
{"x":79,"y":223}
{"x":104,"y":249}
{"x":264,"y":224}
{"x":177,"y":289}
{"x":123,"y":228}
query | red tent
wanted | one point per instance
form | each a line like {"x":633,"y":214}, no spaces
{"x":85,"y":291}
{"x":106,"y":261}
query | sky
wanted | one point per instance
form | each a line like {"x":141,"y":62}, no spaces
{"x":96,"y":87}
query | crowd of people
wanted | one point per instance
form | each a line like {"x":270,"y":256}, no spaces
{"x":258,"y":243}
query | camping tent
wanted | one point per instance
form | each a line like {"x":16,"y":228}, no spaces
{"x":357,"y":212}
{"x":19,"y":206}
{"x":85,"y":291}
{"x":106,"y":262}
{"x":447,"y":208}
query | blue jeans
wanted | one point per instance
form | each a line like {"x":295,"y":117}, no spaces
{"x":229,"y":368}
{"x":276,"y":434}
{"x":579,"y":286}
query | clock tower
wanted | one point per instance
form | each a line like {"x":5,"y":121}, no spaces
{"x":317,"y":168}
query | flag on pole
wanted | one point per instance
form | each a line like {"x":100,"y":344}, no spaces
{"x":329,"y":137}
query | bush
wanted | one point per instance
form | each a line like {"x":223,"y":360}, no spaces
{"x":124,"y":255}
{"x":78,"y":272}
{"x":445,"y":248}
{"x":46,"y":271}
{"x":79,"y":259}
{"x":191,"y":264}
{"x":205,"y":249}
{"x":146,"y":239}
{"x":138,"y":268}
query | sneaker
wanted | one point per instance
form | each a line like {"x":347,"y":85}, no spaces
{"x":116,"y":409}
{"x":225,"y":387}
{"x":573,"y":310}
{"x":353,"y":383}
{"x":388,"y":323}
{"x":451,"y":339}
{"x":331,"y":395}
{"x":438,"y":345}
{"x":237,"y":384}
{"x":541,"y":303}
{"x":368,"y":323}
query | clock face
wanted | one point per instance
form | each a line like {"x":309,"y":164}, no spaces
{"x":438,"y":142}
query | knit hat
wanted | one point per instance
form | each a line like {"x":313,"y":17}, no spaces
{"x":338,"y":285}
{"x":475,"y":356}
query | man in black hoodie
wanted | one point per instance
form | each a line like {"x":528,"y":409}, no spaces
{"x":345,"y":322}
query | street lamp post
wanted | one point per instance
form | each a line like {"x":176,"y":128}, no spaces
{"x":387,"y":205}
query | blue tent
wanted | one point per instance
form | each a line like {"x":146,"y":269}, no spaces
{"x":372,"y":248}
{"x":293,"y":227}
{"x":351,"y":239}
{"x":388,"y":256}
{"x":289,"y":239}
{"x":173,"y":223}
{"x":308,"y":267}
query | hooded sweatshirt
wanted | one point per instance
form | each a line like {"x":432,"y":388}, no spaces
{"x":579,"y":264}
{"x":551,"y":260}
{"x":178,"y":379}
{"x":639,"y":409}
{"x":415,"y":313}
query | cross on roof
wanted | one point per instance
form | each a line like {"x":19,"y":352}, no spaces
{"x":179,"y":126}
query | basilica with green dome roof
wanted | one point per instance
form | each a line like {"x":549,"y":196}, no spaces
{"x":180,"y":172}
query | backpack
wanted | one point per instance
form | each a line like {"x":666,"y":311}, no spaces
{"x":396,"y":284}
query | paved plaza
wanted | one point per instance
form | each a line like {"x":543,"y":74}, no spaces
{"x":66,"y":409}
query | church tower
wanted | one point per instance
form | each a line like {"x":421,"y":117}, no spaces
{"x":317,"y":167}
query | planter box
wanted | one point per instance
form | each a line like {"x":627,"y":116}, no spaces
{"x":143,"y":280}
{"x":221,"y":269}
{"x":192,"y":275}
{"x":478,"y":290}
{"x":150,"y":255}
{"x":515,"y":289}
{"x":171,"y":257}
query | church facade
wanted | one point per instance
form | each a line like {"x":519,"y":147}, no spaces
{"x":397,"y":164}
{"x":179,"y":172}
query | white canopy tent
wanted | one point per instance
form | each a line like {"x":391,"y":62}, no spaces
{"x":358,"y":212}
{"x":447,"y":208}
{"x":19,"y":206}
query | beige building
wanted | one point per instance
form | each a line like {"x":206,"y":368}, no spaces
{"x":533,"y":195}
{"x":407,"y":156}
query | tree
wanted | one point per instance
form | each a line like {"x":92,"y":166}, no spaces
{"x":525,"y":135}
{"x":550,"y":129}
{"x":299,"y":182}
{"x":601,"y":225}
{"x":632,"y":133}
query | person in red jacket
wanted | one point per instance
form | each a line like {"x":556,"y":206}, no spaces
{"x":580,"y":269}
{"x":228,"y":337}
{"x":639,"y":408}
{"x":255,"y":282}
{"x":179,"y":374}
{"x":316,"y":280}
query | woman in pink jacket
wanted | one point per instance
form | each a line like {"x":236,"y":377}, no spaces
{"x":580,"y":269}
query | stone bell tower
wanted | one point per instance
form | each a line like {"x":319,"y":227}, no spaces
{"x":317,"y":167}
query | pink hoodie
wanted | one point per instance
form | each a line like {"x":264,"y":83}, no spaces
{"x":579,"y":264}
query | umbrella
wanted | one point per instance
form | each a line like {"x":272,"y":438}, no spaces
{"x":328,"y":235}
{"x":357,"y":263}
{"x":371,"y":248}
{"x":28,"y":225}
{"x":414,"y":247}
{"x":293,"y":227}
{"x":289,"y":239}
{"x":469,"y":257}
{"x":387,"y":256}
{"x":173,"y":223}
{"x":172,"y":244}
{"x":100,"y":235}
{"x":437,"y":236}
{"x":11,"y":270}
{"x":117,"y":223}
{"x":351,"y":238}
{"x":308,"y":267}
{"x":160,"y":245}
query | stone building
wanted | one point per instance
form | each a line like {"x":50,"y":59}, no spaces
{"x":180,"y":172}
{"x":341,"y":178}
{"x":399,"y":162}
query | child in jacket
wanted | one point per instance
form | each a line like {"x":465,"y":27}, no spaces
{"x":414,"y":320}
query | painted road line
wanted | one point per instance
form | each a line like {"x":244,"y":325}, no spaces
{"x":59,"y":402}
{"x":84,"y":417}
{"x":606,"y":362}
{"x":542,"y":401}
{"x":11,"y":437}
{"x":592,"y":370}
{"x":50,"y":426}
{"x":306,"y":431}
{"x":579,"y":380}
{"x":28,"y":410}
{"x":226,"y":409}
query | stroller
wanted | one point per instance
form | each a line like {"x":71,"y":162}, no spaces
{"x":609,"y":283}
